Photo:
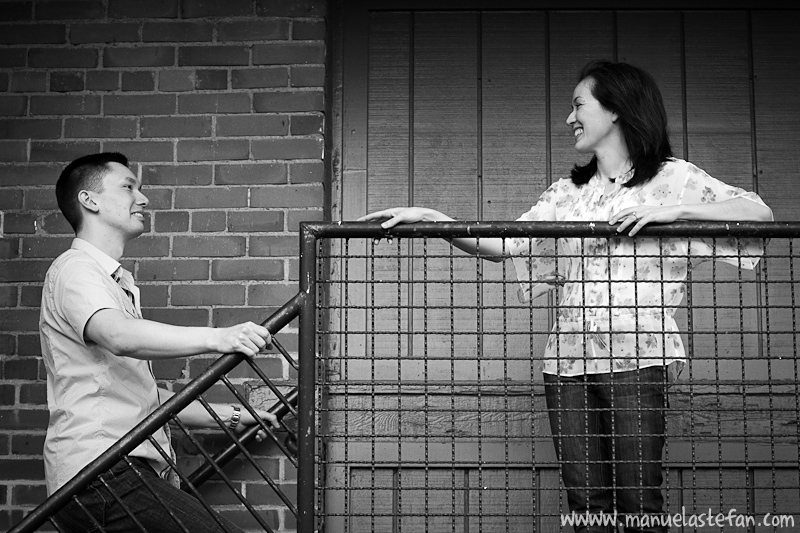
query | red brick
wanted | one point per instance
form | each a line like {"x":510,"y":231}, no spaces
{"x":13,"y":151}
{"x":213,"y":55}
{"x":171,"y":221}
{"x":144,"y":151}
{"x":176,"y":80}
{"x":196,"y":104}
{"x":250,"y":174}
{"x":62,"y":151}
{"x":274,"y":246}
{"x":288,"y":148}
{"x":172,"y":127}
{"x":74,"y":9}
{"x":172,"y":270}
{"x":31,"y":297}
{"x":218,"y":197}
{"x":154,"y":295}
{"x":20,"y":223}
{"x":102,"y":80}
{"x":255,"y":221}
{"x":284,"y":101}
{"x":9,"y":248}
{"x":213,"y":150}
{"x":252,"y":125}
{"x":29,"y":174}
{"x":271,"y":294}
{"x":138,"y":81}
{"x":63,"y":57}
{"x":32,"y":33}
{"x":308,"y":76}
{"x":14,"y":469}
{"x":17,"y":11}
{"x":21,"y":319}
{"x":159,"y":198}
{"x":211,"y":79}
{"x":212,"y":8}
{"x":13,"y":58}
{"x":65,"y":105}
{"x":8,"y":394}
{"x":143,"y":8}
{"x":202,"y":295}
{"x":307,"y":124}
{"x":29,"y":345}
{"x":146,"y":246}
{"x":101,"y":128}
{"x":206,"y":246}
{"x":104,"y":32}
{"x":247,"y":269}
{"x":182,"y":32}
{"x":295,"y":217}
{"x":45,"y":247}
{"x":291,"y":8}
{"x":13,"y":105}
{"x":33,"y":393}
{"x":289,"y":53}
{"x":30,"y":128}
{"x":10,"y":199}
{"x":56,"y":224}
{"x":27,"y":444}
{"x":308,"y":30}
{"x":288,"y":196}
{"x":177,"y":174}
{"x":178,"y":317}
{"x":66,"y":81}
{"x":253,"y":30}
{"x":208,"y":221}
{"x":146,"y":56}
{"x":257,"y":78}
{"x":169,"y":368}
{"x":40,"y":199}
{"x":8,"y":296}
{"x":30,"y":495}
{"x":28,"y":82}
{"x":294,"y":265}
{"x":22,"y":369}
{"x":263,"y":494}
{"x":139,"y":105}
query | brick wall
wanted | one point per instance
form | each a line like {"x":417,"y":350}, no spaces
{"x":220,"y":107}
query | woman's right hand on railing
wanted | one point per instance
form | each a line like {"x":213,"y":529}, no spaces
{"x":405,"y":215}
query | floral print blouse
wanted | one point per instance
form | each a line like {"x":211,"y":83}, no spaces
{"x":615,"y":313}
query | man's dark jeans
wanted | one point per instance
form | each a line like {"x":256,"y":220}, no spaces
{"x":152,"y":515}
{"x":608,"y":430}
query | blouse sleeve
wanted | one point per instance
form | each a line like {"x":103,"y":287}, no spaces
{"x":535,"y":258}
{"x":702,"y":188}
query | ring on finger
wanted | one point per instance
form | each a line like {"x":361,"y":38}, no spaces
{"x":633,"y":214}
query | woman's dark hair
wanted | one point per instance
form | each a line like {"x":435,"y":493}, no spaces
{"x":85,"y":173}
{"x":633,"y":95}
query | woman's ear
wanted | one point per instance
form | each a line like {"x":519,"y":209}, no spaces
{"x":86,"y":199}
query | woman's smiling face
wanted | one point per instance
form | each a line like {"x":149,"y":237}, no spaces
{"x":591,"y":123}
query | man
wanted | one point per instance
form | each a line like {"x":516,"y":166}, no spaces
{"x":98,"y":349}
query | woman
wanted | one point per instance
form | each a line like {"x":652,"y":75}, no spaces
{"x":615,"y":339}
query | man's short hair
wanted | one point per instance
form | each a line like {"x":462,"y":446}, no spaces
{"x":85,"y":173}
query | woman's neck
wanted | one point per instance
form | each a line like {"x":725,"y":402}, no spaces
{"x":612,"y":165}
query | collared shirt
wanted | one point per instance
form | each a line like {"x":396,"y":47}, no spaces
{"x":617,"y":305}
{"x":94,"y":396}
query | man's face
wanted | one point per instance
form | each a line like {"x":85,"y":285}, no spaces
{"x":121,"y":202}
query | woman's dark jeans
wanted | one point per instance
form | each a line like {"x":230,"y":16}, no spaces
{"x":608,"y":430}
{"x":152,"y":515}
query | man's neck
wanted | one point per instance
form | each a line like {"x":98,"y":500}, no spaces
{"x":110,"y":245}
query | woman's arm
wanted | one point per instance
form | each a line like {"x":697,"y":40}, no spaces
{"x":491,"y":249}
{"x":735,"y":209}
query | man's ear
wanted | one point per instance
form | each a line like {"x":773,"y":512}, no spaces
{"x":86,"y":200}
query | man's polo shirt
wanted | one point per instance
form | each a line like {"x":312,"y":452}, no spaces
{"x":94,"y":396}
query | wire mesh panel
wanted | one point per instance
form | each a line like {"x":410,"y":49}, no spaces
{"x":649,"y":382}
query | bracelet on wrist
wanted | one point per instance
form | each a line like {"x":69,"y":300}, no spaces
{"x":237,"y":414}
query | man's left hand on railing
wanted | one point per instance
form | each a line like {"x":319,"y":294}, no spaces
{"x":244,"y":420}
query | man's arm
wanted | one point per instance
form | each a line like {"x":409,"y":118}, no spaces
{"x":145,"y":339}
{"x":195,"y":415}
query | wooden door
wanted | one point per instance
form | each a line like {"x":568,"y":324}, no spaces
{"x":464,"y":110}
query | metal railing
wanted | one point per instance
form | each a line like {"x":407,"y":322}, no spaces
{"x":214,"y":462}
{"x":431,"y":406}
{"x":420,"y":403}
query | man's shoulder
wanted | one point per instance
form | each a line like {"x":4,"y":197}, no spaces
{"x":72,"y":263}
